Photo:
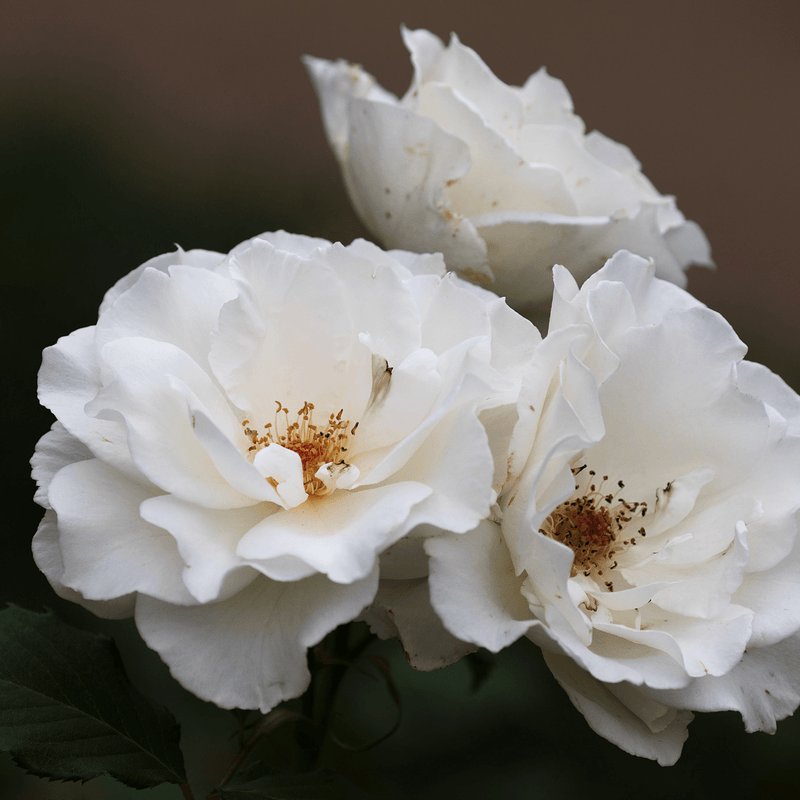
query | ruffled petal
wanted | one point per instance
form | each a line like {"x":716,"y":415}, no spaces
{"x":528,"y":243}
{"x":47,"y":555}
{"x":498,"y":180}
{"x":108,"y":550}
{"x":635,"y":725}
{"x":179,"y":307}
{"x":69,"y":378}
{"x":395,"y":184}
{"x":54,"y":450}
{"x":402,"y":610}
{"x":207,"y":541}
{"x":203,"y":259}
{"x":764,"y":687}
{"x":474,"y":589}
{"x":249,"y":651}
{"x":148,"y":392}
{"x":340,"y":535}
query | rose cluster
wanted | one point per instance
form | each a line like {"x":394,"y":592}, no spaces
{"x":253,"y":448}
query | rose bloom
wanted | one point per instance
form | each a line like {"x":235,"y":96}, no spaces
{"x":502,"y":180}
{"x":646,"y":537}
{"x":239,"y":437}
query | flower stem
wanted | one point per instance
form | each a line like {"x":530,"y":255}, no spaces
{"x":268,"y":723}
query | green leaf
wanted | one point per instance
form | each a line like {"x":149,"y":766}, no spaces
{"x":68,"y":711}
{"x":258,"y":783}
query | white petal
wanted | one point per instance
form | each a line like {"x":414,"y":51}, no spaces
{"x":296,"y":243}
{"x":147,"y":392}
{"x":108,"y":550}
{"x":757,"y":380}
{"x":69,"y":378}
{"x":336,"y":83}
{"x":179,"y":307}
{"x":54,"y":450}
{"x":546,"y":101}
{"x":455,"y":461}
{"x":774,"y":596}
{"x":249,"y":651}
{"x":378,"y":301}
{"x":689,"y":245}
{"x":402,"y":610}
{"x":763,"y":687}
{"x":708,"y":647}
{"x":514,"y":339}
{"x":340,"y":535}
{"x":474,"y":589}
{"x":205,"y":259}
{"x":207,"y":540}
{"x":614,"y":720}
{"x":528,"y":243}
{"x":337,"y":476}
{"x":499,"y":178}
{"x":705,"y":588}
{"x":462,"y":68}
{"x":377,"y":143}
{"x":598,"y":190}
{"x":284,"y":338}
{"x":228,"y":459}
{"x":458,"y":389}
{"x":47,"y":555}
{"x":640,"y":657}
{"x":404,"y":398}
{"x":283,"y":469}
{"x":451,"y":316}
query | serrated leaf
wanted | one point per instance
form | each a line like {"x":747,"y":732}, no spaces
{"x":69,"y":712}
{"x":258,"y":783}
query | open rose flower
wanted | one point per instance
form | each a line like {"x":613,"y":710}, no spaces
{"x":502,"y":180}
{"x":647,"y":536}
{"x":239,"y":437}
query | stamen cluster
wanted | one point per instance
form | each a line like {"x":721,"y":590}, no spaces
{"x":316,"y":445}
{"x":593,"y":524}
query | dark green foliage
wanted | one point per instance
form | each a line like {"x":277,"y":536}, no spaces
{"x":258,"y":783}
{"x":68,"y":711}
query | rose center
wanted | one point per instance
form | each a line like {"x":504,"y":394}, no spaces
{"x":315,"y":444}
{"x":593,"y":524}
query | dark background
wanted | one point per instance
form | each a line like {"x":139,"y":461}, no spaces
{"x":125,"y":128}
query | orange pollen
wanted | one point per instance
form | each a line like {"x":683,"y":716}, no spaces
{"x":592,"y":523}
{"x":315,"y":444}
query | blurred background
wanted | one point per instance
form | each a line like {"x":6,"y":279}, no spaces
{"x":127,"y":128}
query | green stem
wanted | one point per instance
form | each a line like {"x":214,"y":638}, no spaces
{"x":268,"y":723}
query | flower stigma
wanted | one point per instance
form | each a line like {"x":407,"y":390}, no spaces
{"x":592,"y":523}
{"x":315,"y":444}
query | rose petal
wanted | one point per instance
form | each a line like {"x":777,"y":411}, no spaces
{"x":339,"y":535}
{"x":47,"y":555}
{"x":69,"y":378}
{"x":54,"y":450}
{"x":249,"y":651}
{"x":474,"y":589}
{"x":108,"y":550}
{"x":614,"y":720}
{"x":160,"y":430}
{"x":207,"y":540}
{"x":402,"y":610}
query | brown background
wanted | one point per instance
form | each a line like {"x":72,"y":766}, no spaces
{"x":126,"y":127}
{"x":208,"y":99}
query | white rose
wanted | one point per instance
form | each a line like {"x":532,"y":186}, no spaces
{"x":502,"y":180}
{"x":241,"y":436}
{"x":648,"y":537}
